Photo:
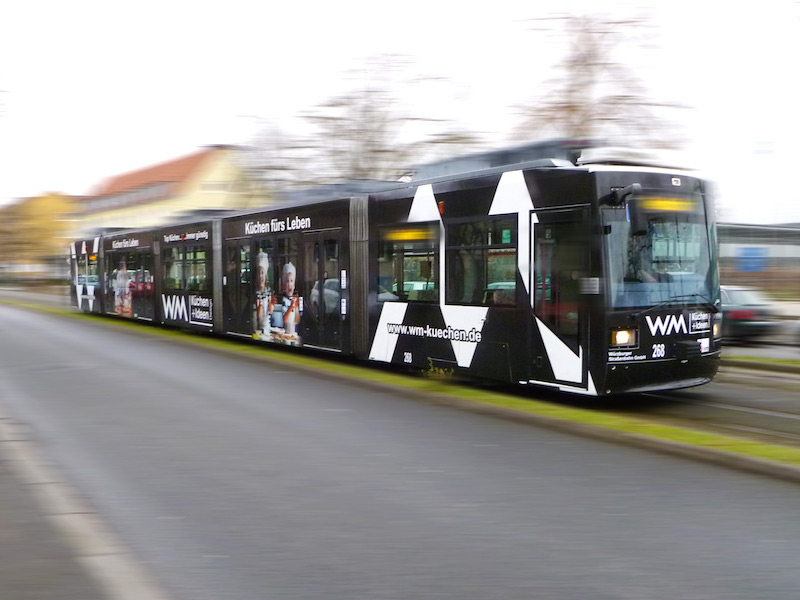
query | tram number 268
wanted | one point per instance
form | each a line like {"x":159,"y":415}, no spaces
{"x":659,"y":350}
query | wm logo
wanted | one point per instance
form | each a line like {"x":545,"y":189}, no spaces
{"x":175,"y":308}
{"x":666,"y":325}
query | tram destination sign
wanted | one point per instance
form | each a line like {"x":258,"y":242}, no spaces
{"x":126,"y":243}
{"x":188,"y":236}
{"x":292,"y":223}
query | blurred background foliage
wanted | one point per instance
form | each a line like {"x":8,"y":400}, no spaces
{"x":384,"y":123}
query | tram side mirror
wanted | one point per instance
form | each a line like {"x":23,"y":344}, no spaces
{"x":619,"y":196}
{"x":628,"y":197}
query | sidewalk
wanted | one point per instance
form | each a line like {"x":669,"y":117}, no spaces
{"x":35,"y":561}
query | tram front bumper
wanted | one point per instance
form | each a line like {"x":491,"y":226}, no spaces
{"x":649,"y":376}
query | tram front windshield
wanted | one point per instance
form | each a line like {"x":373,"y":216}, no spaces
{"x":658,"y":252}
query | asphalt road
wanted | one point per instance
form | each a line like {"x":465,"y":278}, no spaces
{"x":233,"y":479}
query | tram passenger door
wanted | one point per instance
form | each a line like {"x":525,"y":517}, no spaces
{"x":110,"y":282}
{"x":237,"y":288}
{"x":323,"y":308}
{"x":559,"y":337}
{"x":142,"y":294}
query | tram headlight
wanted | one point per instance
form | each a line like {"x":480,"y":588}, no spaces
{"x":625,"y":337}
{"x":716,"y":328}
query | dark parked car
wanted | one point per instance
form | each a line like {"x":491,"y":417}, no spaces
{"x":747,"y":315}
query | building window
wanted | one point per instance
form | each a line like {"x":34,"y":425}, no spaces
{"x":408,"y":263}
{"x":482,"y":262}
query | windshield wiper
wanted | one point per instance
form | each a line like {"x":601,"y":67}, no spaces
{"x":705,"y":301}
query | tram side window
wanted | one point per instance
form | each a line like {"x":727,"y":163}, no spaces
{"x":408,"y":264}
{"x":482,"y":262}
{"x":196,"y":272}
{"x":173,"y":269}
{"x":75,"y":267}
{"x":80,"y":270}
{"x":144,"y":272}
{"x":93,"y":272}
{"x":287,"y":261}
{"x":244,"y":265}
{"x":264,"y":261}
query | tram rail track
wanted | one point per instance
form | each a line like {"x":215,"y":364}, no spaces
{"x":761,"y":419}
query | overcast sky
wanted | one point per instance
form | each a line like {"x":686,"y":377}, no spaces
{"x":93,"y":89}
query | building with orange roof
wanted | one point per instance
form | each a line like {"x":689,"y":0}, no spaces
{"x":210,"y":179}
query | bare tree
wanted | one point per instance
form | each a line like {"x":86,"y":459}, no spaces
{"x":276,"y":161}
{"x":358,"y":134}
{"x":366,"y":134}
{"x":594,"y":94}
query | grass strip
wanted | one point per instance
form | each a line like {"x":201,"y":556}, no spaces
{"x":791,"y":362}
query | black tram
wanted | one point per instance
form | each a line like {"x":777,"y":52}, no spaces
{"x":592,"y":278}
